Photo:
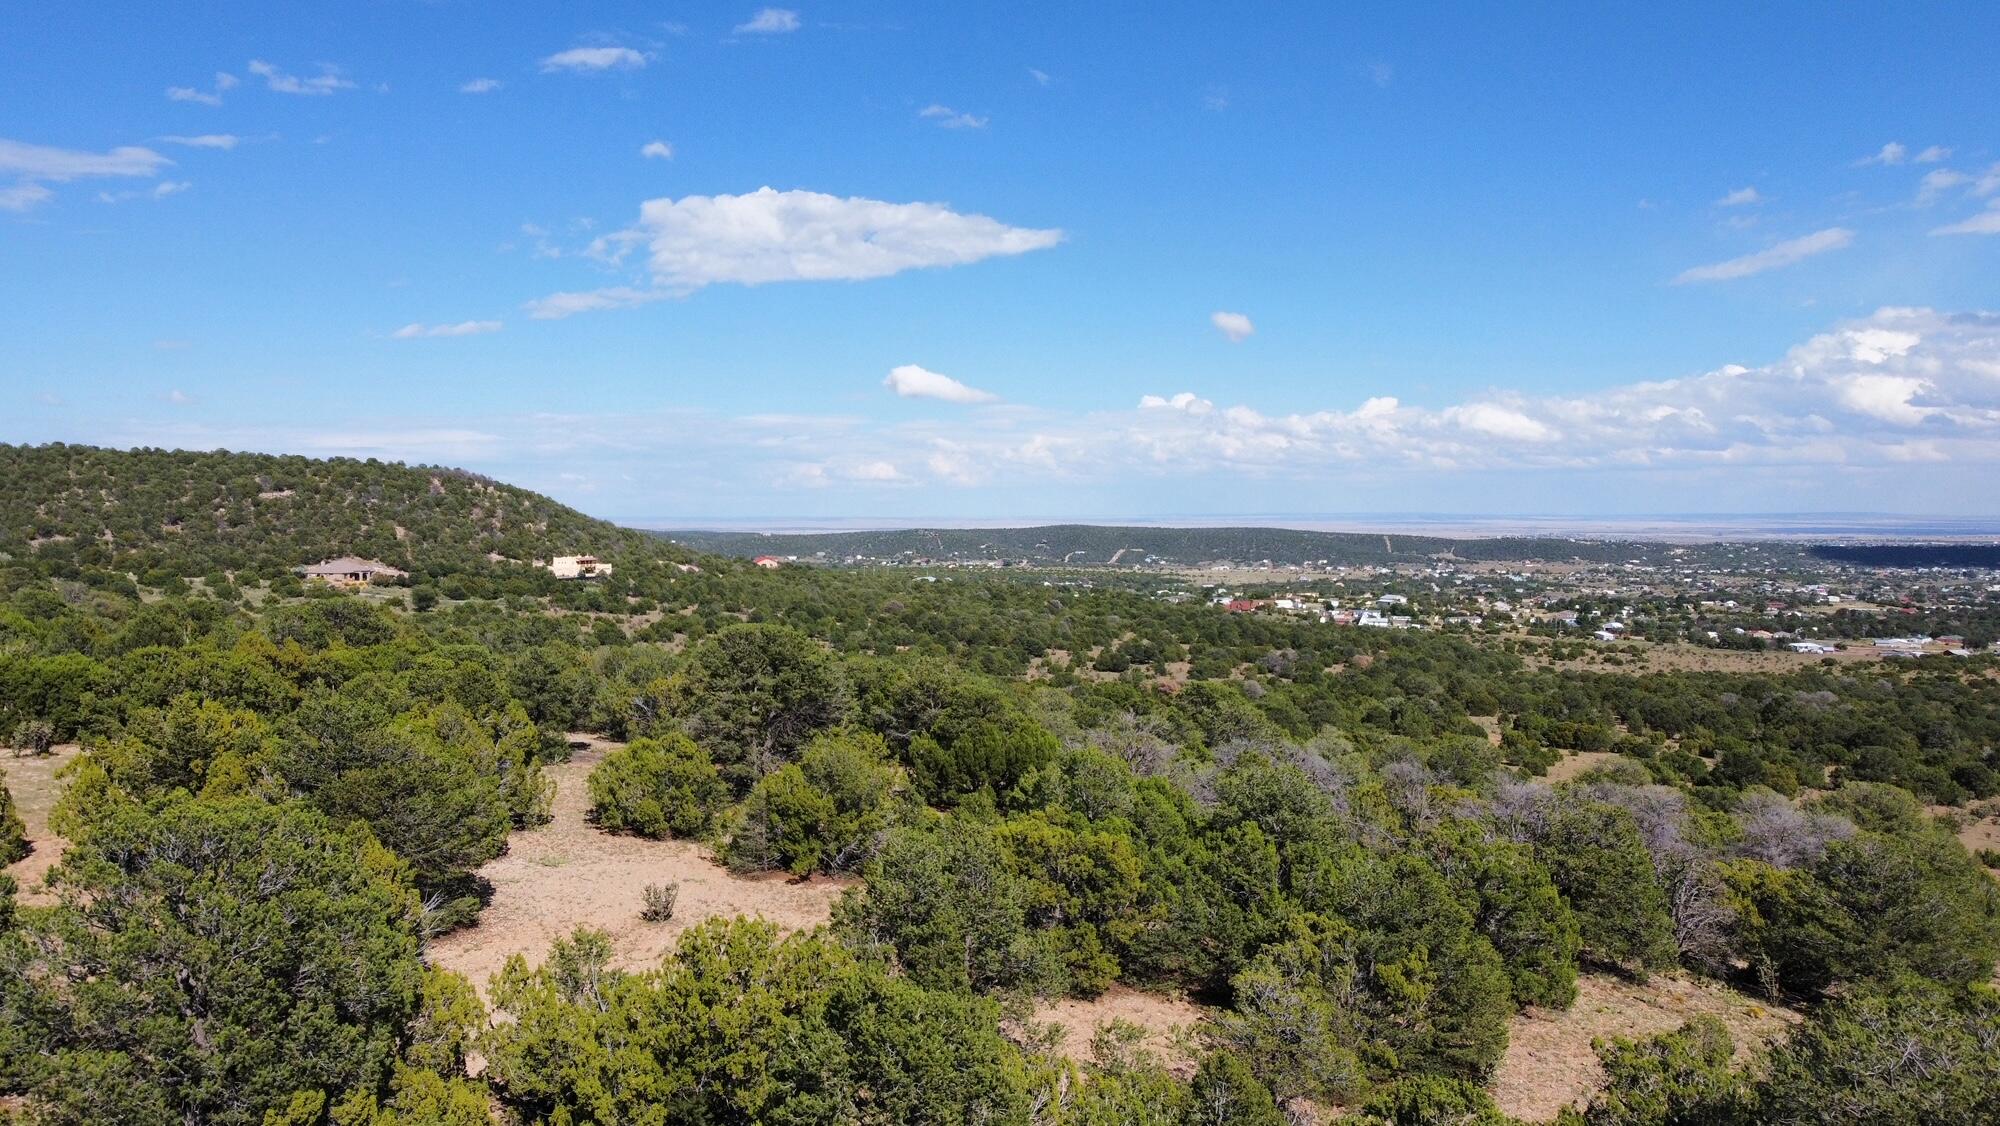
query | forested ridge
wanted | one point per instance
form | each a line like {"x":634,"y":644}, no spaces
{"x":286,"y":793}
{"x":1099,"y":543}
{"x":192,"y":512}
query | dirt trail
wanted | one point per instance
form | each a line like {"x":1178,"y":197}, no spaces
{"x":1549,"y":1062}
{"x":565,"y":874}
{"x":33,"y":783}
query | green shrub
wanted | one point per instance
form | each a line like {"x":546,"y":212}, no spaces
{"x":664,"y":787}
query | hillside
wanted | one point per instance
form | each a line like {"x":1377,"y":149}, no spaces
{"x":191,"y":512}
{"x":1098,"y":544}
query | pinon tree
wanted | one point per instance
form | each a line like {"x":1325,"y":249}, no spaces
{"x":13,"y":835}
{"x":211,"y":962}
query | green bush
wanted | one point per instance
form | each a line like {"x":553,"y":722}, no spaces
{"x":664,"y":787}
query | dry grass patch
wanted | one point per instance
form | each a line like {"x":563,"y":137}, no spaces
{"x":1550,"y":1064}
{"x":32,"y":781}
{"x":1170,"y":1023}
{"x":565,"y":874}
{"x":1576,"y":764}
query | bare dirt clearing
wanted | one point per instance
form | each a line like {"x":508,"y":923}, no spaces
{"x":32,"y":781}
{"x":565,"y":874}
{"x":1169,"y":1022}
{"x":1549,"y":1062}
{"x":1576,"y":764}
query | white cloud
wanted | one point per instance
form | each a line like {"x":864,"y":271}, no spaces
{"x":949,"y":118}
{"x":873,"y":471}
{"x":770,"y":21}
{"x":584,"y":60}
{"x":1873,"y":396}
{"x":1886,"y":397}
{"x":1497,"y":421}
{"x":44,"y":162}
{"x":1939,"y":181}
{"x":1235,"y":326}
{"x":1986,"y":222}
{"x":1381,"y":74}
{"x":1783,"y":254}
{"x":1933,"y":154}
{"x":417,"y":331}
{"x":657,"y":150}
{"x":1187,"y":402}
{"x":556,"y":306}
{"x":913,"y":382}
{"x":1740,"y":197}
{"x":1041,"y":77}
{"x":179,"y":397}
{"x":773,"y":236}
{"x":1891,"y":153}
{"x":161,"y":190}
{"x":21,"y":197}
{"x":327,"y":81}
{"x":480,"y":86}
{"x":224,"y":81}
{"x":224,"y":141}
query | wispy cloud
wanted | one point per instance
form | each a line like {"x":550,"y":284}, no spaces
{"x":161,"y":190}
{"x":1041,"y":77}
{"x":1892,"y":153}
{"x":556,"y":306}
{"x":770,"y":21}
{"x":948,"y":118}
{"x":419,"y":331}
{"x":22,"y":197}
{"x":32,"y":165}
{"x":586,"y":60}
{"x":773,"y":236}
{"x":657,"y":150}
{"x":224,"y":82}
{"x":1786,"y":253}
{"x":46,"y":162}
{"x":1740,"y":197}
{"x":223,"y":141}
{"x":913,"y":382}
{"x":1933,"y":154}
{"x":1986,"y":222}
{"x":1235,"y":326}
{"x":327,"y":81}
{"x":480,"y":86}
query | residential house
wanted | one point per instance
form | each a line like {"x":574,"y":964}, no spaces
{"x":578,"y":567}
{"x":350,"y":571}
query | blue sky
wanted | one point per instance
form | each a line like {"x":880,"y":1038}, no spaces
{"x":1139,"y":260}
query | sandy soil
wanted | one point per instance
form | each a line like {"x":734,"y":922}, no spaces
{"x":1578,"y":763}
{"x":1549,"y":1062}
{"x":1981,"y":828}
{"x":565,"y":874}
{"x":1169,"y":1022}
{"x":33,"y":783}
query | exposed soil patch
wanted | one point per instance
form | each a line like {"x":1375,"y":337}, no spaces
{"x":33,"y":783}
{"x":566,"y":874}
{"x":1576,"y":764}
{"x":1549,"y":1062}
{"x":1170,"y":1024}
